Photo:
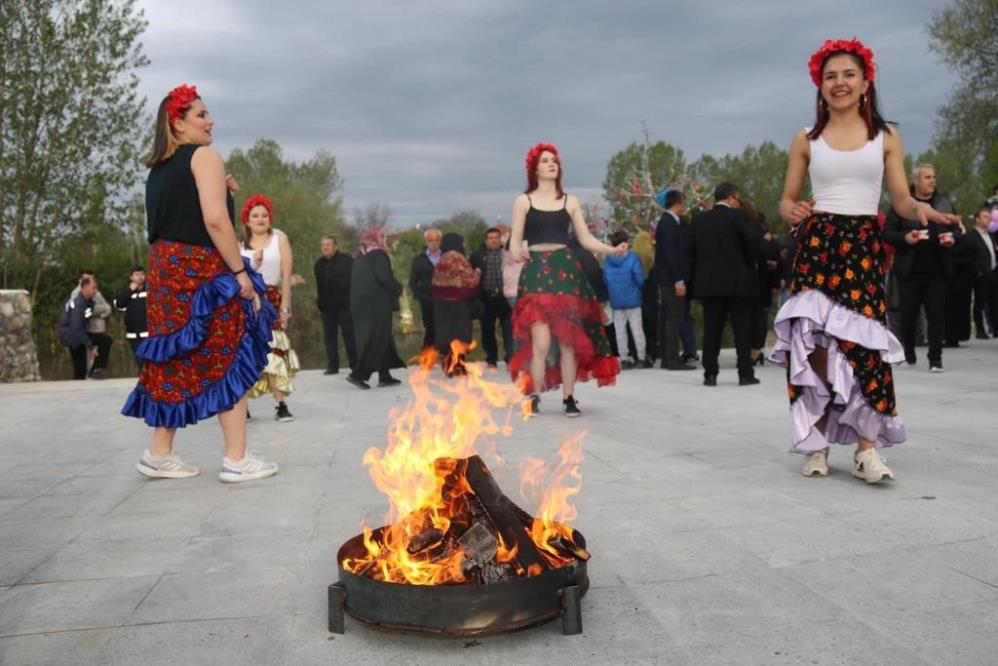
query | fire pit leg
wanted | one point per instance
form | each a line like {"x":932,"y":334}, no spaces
{"x":337,"y":605}
{"x":571,"y":610}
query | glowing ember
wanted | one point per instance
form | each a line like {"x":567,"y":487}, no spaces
{"x":448,"y":522}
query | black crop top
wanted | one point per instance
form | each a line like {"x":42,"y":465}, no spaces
{"x":173,"y":209}
{"x":547,"y":226}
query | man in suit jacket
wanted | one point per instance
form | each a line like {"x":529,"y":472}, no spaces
{"x":672,"y":274}
{"x":723,"y":253}
{"x":922,"y":266}
{"x":985,"y":270}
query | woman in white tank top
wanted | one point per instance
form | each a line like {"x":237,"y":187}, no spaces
{"x":269,"y":253}
{"x":832,"y":333}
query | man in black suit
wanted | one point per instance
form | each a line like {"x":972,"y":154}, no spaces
{"x":672,"y":274}
{"x":332,"y":286}
{"x":985,"y":270}
{"x":922,"y":265}
{"x":421,"y":282}
{"x":723,"y":253}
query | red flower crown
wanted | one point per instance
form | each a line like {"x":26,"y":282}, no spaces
{"x":831,"y":46}
{"x":534,"y":155}
{"x":253,"y":202}
{"x":180,"y":99}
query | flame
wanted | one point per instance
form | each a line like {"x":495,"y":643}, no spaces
{"x":443,"y":422}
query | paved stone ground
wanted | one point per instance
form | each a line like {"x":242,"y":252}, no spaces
{"x":708,"y":546}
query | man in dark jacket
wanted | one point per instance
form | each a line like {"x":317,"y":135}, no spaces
{"x":332,"y":285}
{"x":922,"y":264}
{"x":73,"y":327}
{"x":421,"y":281}
{"x":723,"y":251}
{"x":985,"y":273}
{"x":672,"y":274}
{"x":132,"y":301}
{"x":495,"y":307}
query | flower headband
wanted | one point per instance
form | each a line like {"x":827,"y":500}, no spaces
{"x":831,"y":46}
{"x":179,"y":100}
{"x":253,"y":202}
{"x":534,"y":155}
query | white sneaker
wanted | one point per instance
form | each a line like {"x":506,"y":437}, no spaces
{"x":869,"y":466}
{"x":250,"y":468}
{"x":168,"y":467}
{"x":817,"y":463}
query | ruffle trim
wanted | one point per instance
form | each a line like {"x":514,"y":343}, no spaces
{"x":249,"y":360}
{"x":564,"y":315}
{"x":282,"y":367}
{"x":809,"y":320}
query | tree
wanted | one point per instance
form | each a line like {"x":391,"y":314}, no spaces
{"x":966,"y":142}
{"x":635,"y":174}
{"x":758,"y":172}
{"x":70,"y":130}
{"x":375,"y":214}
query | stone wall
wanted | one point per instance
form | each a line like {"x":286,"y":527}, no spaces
{"x":18,"y":358}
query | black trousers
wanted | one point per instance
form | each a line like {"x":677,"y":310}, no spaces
{"x":670,"y":311}
{"x":983,"y":321}
{"x":760,"y":324}
{"x":429,"y":323}
{"x":715,"y":314}
{"x":134,"y":344}
{"x":957,"y":316}
{"x":926,"y":290}
{"x":496,"y":310}
{"x":334,"y":321}
{"x":103,"y":343}
{"x":649,"y":316}
{"x":79,"y":358}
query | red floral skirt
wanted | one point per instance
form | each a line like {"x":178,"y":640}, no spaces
{"x":206,"y":346}
{"x":554,"y":291}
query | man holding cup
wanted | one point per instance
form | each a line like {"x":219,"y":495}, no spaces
{"x":922,"y":263}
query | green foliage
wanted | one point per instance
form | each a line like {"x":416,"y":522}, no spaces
{"x":966,"y":145}
{"x":635,"y":174}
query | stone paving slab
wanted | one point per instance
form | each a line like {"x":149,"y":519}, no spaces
{"x":708,"y":546}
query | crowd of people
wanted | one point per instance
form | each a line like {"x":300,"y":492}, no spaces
{"x":207,"y":322}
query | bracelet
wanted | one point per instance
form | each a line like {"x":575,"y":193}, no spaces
{"x":241,"y":270}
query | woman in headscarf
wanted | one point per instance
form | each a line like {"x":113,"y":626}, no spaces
{"x":455,"y":284}
{"x":374,"y":296}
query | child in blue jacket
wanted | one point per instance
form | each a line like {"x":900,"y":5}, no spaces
{"x":624,"y":277}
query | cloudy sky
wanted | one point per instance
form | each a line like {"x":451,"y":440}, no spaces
{"x":430,"y":105}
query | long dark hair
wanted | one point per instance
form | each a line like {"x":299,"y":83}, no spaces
{"x":869,"y":108}
{"x":164,"y":143}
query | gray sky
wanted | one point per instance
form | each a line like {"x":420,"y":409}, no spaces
{"x":430,"y":105}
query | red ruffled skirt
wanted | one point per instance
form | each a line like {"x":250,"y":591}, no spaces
{"x":554,"y":291}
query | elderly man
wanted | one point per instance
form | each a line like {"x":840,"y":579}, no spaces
{"x":73,"y":326}
{"x":421,"y":281}
{"x":332,"y":284}
{"x":96,"y":326}
{"x":495,"y":307}
{"x":921,"y":264}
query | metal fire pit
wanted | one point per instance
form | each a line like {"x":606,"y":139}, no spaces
{"x":462,"y":609}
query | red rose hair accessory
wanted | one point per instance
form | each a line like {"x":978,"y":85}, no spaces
{"x":180,"y":99}
{"x":534,"y":155}
{"x":831,"y":46}
{"x":253,"y":202}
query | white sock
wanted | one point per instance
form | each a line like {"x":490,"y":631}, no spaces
{"x":229,"y":462}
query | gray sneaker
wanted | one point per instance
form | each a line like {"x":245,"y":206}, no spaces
{"x":250,"y":468}
{"x":869,"y":466}
{"x":169,"y":467}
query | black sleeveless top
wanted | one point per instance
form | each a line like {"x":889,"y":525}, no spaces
{"x":173,"y":210}
{"x":547,"y":226}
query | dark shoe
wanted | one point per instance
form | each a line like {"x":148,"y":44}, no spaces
{"x":981,"y":335}
{"x":935,"y":367}
{"x":647,"y":363}
{"x":748,"y":381}
{"x":535,"y":404}
{"x":710,"y":380}
{"x":97,"y":373}
{"x":686,"y":358}
{"x":760,"y":360}
{"x":282,"y":413}
{"x":909,"y":357}
{"x":571,"y":408}
{"x":388,"y":381}
{"x":627,"y":365}
{"x":951,"y":344}
{"x":330,"y":371}
{"x":680,"y":366}
{"x":358,"y":383}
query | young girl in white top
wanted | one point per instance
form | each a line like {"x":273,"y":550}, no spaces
{"x":832,"y":333}
{"x":269,"y":253}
